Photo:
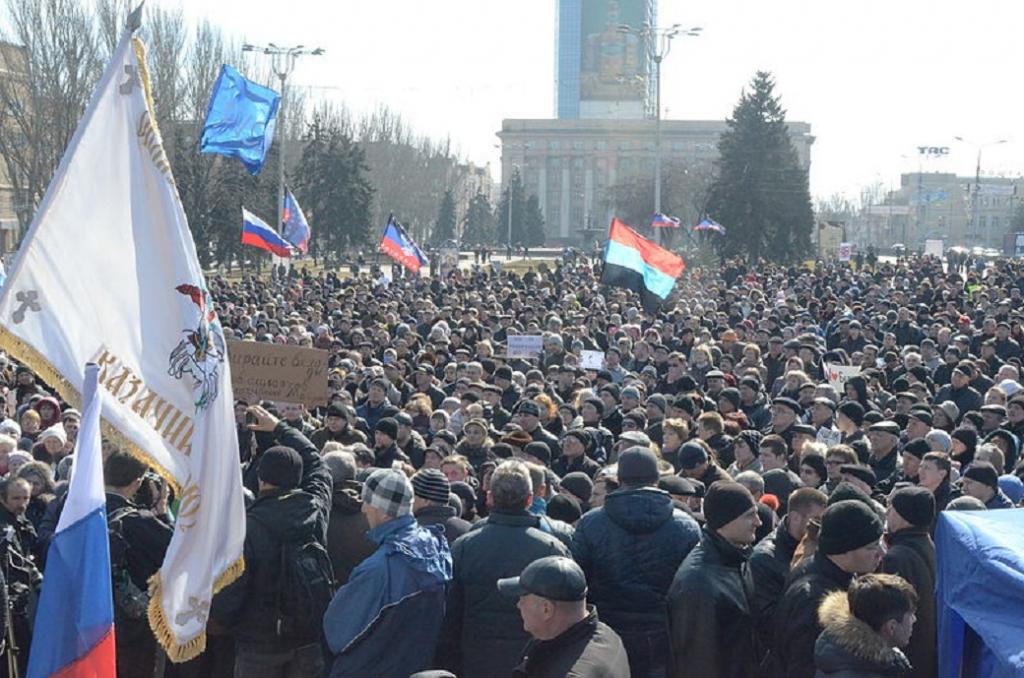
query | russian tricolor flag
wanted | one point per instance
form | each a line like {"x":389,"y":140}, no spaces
{"x":634,"y":262}
{"x":257,"y":233}
{"x":74,"y":630}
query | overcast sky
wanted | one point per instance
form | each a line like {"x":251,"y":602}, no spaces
{"x":875,"y":79}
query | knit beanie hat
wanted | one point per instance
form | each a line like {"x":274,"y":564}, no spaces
{"x":390,"y":492}
{"x":638,"y":466}
{"x":852,"y":411}
{"x":732,"y":395}
{"x":918,"y":447}
{"x":431,"y":485}
{"x":388,"y":426}
{"x":281,"y":466}
{"x":847,"y":526}
{"x":724,"y":502}
{"x":915,"y":504}
{"x":983,"y":472}
{"x":968,"y":436}
{"x":579,"y":484}
{"x":753,"y":440}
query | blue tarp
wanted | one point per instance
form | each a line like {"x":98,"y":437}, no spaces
{"x":981,"y":593}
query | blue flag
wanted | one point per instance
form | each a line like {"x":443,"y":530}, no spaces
{"x":296,"y":228}
{"x":240,"y":119}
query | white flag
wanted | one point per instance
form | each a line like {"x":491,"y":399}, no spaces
{"x":108,"y":274}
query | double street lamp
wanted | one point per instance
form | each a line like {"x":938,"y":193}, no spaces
{"x":282,"y":62}
{"x":657,"y":43}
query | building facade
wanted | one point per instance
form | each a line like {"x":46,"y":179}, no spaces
{"x":574,"y":166}
{"x":602,"y":71}
{"x":961,"y":211}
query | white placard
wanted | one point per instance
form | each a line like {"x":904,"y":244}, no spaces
{"x":845,"y":251}
{"x":525,"y":345}
{"x":837,"y":375}
{"x":592,"y":360}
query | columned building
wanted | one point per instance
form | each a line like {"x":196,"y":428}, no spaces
{"x":573,"y":166}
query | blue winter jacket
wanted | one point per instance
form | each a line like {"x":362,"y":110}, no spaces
{"x":402,"y":585}
{"x":630,"y":550}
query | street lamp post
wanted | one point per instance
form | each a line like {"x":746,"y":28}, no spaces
{"x":282,"y":61}
{"x":658,"y":43}
{"x":977,"y":183}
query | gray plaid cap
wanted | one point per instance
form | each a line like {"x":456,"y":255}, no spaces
{"x":389,"y":491}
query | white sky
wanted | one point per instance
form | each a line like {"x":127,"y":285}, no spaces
{"x":874,"y":78}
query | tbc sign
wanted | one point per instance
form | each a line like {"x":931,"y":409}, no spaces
{"x":290,"y":374}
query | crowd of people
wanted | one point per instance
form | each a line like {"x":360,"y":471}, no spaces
{"x":719,"y":499}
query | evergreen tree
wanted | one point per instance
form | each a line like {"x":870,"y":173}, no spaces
{"x":331,"y":185}
{"x":444,"y":227}
{"x":761,"y":194}
{"x":533,"y":226}
{"x":512,"y":198}
{"x":478,"y":226}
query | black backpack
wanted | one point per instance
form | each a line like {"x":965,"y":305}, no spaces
{"x":305,"y":587}
{"x":130,"y":602}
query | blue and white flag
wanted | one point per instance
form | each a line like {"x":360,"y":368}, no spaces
{"x":240,"y":119}
{"x":136,"y":303}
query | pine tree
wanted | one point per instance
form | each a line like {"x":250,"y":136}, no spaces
{"x":761,"y":194}
{"x":331,"y":185}
{"x":444,"y":227}
{"x":533,"y":228}
{"x":478,"y":226}
{"x":512,"y":198}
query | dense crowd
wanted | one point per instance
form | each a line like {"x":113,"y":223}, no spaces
{"x":723,"y":498}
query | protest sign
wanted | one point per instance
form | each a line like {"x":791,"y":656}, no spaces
{"x":525,"y":345}
{"x":592,"y":360}
{"x":291,"y":374}
{"x":837,"y":375}
{"x":845,"y":251}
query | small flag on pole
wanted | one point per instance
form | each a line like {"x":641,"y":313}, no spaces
{"x":399,"y":246}
{"x":74,"y":631}
{"x":660,"y":220}
{"x":296,"y":228}
{"x":256,"y":233}
{"x":707,"y":224}
{"x":634,"y":262}
{"x":240,"y":119}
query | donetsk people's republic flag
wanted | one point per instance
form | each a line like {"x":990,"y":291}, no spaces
{"x":397,"y":244}
{"x":634,"y":262}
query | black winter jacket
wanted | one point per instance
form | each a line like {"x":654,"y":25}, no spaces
{"x":911,"y":555}
{"x":769,"y":570}
{"x":710,"y":620}
{"x":248,"y":606}
{"x":347,"y":545}
{"x":796,"y":617}
{"x":849,"y":648}
{"x":483,"y":632}
{"x":589,"y":649}
{"x":630,"y":549}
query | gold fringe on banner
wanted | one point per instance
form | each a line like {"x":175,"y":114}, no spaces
{"x":190,"y":649}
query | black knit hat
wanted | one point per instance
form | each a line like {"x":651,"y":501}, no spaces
{"x":431,"y":485}
{"x":732,"y":395}
{"x":852,"y":411}
{"x":753,"y":440}
{"x":388,"y":427}
{"x":983,"y":472}
{"x":539,"y":450}
{"x":281,"y":466}
{"x":724,"y":502}
{"x":918,"y":447}
{"x":847,"y":526}
{"x":638,"y":466}
{"x":915,"y":504}
{"x":579,"y":484}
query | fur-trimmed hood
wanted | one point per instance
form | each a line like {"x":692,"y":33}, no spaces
{"x":850,"y":646}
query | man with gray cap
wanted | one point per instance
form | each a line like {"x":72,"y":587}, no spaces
{"x":848,"y":545}
{"x":568,"y":639}
{"x":630,"y":548}
{"x":712,"y":628}
{"x":402,"y":585}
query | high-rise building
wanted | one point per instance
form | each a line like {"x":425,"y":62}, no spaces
{"x":603,"y":72}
